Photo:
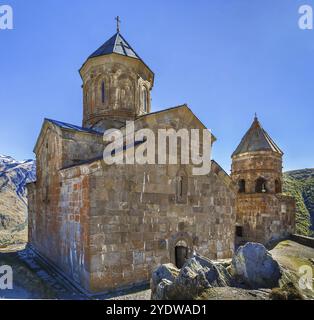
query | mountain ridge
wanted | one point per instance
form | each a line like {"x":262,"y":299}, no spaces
{"x":300,"y":185}
{"x":14,"y":175}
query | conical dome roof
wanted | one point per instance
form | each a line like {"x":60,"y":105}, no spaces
{"x":256,"y":139}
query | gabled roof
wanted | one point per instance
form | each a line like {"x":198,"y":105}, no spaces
{"x":62,"y":125}
{"x":256,"y":139}
{"x":65,"y":125}
{"x":116,"y":44}
{"x":183,"y":106}
{"x":173,"y":109}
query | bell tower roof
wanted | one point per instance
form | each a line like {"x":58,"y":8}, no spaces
{"x":256,"y":139}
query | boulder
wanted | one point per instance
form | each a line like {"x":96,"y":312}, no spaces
{"x":166,"y":272}
{"x":197,"y":274}
{"x":163,"y":291}
{"x":191,"y":280}
{"x":254,"y":267}
{"x":216,"y":273}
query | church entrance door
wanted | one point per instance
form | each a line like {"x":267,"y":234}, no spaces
{"x":181,"y":255}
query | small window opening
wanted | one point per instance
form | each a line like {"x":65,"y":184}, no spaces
{"x":242,"y":186}
{"x":103,"y":95}
{"x":145,"y":99}
{"x":260,"y":185}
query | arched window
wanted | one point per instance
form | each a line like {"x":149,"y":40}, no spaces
{"x":241,"y":185}
{"x":260,"y":186}
{"x":182,"y":189}
{"x":103,"y":92}
{"x":86,"y":89}
{"x":278,"y":186}
{"x":144,"y":97}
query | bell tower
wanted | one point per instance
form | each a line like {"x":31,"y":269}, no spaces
{"x":257,"y":162}
{"x":263,"y":213}
{"x":116,"y":85}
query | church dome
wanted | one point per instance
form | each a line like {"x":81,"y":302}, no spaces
{"x":116,"y":85}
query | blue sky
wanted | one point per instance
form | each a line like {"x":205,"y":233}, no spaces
{"x":226,"y":59}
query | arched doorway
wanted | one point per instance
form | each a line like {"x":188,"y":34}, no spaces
{"x":181,"y":253}
{"x":180,"y":248}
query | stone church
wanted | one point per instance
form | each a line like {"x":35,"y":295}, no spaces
{"x":107,"y":226}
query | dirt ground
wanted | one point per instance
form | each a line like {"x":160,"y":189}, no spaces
{"x":33,"y":280}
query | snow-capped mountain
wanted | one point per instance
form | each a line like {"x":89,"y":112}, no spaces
{"x":14,"y":175}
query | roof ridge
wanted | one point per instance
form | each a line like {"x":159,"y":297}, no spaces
{"x":70,"y":126}
{"x":115,"y":41}
{"x":272,"y":141}
{"x":129,"y":46}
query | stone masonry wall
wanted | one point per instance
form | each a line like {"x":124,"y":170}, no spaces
{"x":107,"y":227}
{"x":135,"y":220}
{"x":124,"y":80}
{"x":78,"y":146}
{"x":264,"y":217}
{"x":253,"y":165}
{"x":58,"y":224}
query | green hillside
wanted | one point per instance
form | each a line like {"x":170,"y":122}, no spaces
{"x":300,"y":185}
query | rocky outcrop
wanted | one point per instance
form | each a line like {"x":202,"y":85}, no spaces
{"x":254,"y":267}
{"x":252,"y":270}
{"x":196,"y":275}
{"x":162,"y":276}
